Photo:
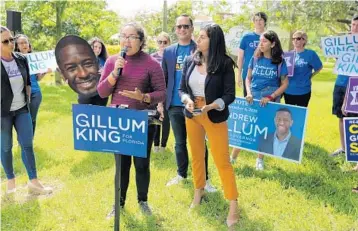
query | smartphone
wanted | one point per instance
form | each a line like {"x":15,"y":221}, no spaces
{"x":197,"y":112}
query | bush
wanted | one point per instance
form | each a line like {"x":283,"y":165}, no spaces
{"x":113,"y":49}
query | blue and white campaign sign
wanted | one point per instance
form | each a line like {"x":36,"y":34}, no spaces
{"x":289,"y":57}
{"x":40,"y":62}
{"x":105,"y":129}
{"x":275,"y":130}
{"x":233,"y":39}
{"x":347,"y":64}
{"x":333,"y":46}
{"x":351,"y":138}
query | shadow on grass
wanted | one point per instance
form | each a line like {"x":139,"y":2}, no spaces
{"x":325,"y":179}
{"x":214,"y":207}
{"x":94,"y":162}
{"x":149,"y":223}
{"x":12,"y":216}
{"x":43,"y":161}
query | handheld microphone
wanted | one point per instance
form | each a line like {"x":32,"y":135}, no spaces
{"x":123,"y":55}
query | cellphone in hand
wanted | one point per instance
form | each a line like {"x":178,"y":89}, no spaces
{"x":197,"y":112}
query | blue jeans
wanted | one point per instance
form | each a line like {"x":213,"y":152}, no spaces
{"x":21,"y":120}
{"x":177,"y":120}
{"x":35,"y":102}
{"x":265,"y":92}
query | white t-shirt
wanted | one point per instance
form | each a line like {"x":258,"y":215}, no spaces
{"x":197,"y":83}
{"x":17,"y":84}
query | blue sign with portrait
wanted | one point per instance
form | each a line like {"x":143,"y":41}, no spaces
{"x":351,"y":138}
{"x":105,"y":129}
{"x":276,"y":130}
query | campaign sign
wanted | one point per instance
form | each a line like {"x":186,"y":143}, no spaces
{"x":347,"y":64}
{"x":39,"y":62}
{"x":351,"y":138}
{"x":105,"y":129}
{"x":290,"y":62}
{"x":333,"y":46}
{"x":276,"y":130}
{"x":351,"y":100}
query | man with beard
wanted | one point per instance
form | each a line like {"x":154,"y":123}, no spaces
{"x":282,"y":143}
{"x":78,"y":66}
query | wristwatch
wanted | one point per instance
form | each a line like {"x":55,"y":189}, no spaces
{"x":146,"y":98}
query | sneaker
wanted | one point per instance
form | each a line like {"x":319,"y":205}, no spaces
{"x":209,"y":188}
{"x":156,"y":149}
{"x":232,"y":160}
{"x":112,"y":212}
{"x":175,"y":180}
{"x":144,"y":207}
{"x":355,"y":190}
{"x":162,"y":149}
{"x":338,"y":152}
{"x":259,"y":164}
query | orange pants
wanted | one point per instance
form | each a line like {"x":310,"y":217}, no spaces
{"x":217,"y":134}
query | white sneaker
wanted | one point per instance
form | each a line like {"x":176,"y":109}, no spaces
{"x":175,"y":180}
{"x":156,"y":149}
{"x":232,"y":160}
{"x":209,"y":188}
{"x":259,"y":164}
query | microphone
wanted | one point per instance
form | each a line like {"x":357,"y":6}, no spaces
{"x":123,"y":55}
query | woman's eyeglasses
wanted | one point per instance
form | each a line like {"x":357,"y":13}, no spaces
{"x":7,"y":41}
{"x":162,"y":42}
{"x":182,"y":26}
{"x":130,"y":37}
{"x":298,"y":39}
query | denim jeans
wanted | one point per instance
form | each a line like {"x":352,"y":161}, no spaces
{"x":177,"y":121}
{"x":265,"y":92}
{"x":21,"y":120}
{"x":35,"y":102}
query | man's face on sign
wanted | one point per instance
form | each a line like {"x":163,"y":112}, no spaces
{"x":354,"y":27}
{"x":283,"y":122}
{"x":79,"y":68}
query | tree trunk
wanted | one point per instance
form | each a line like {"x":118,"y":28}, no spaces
{"x":60,"y":7}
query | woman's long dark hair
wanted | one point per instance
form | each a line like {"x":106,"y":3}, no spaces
{"x":16,"y":41}
{"x":217,"y":56}
{"x":276,"y":51}
{"x":103,"y":55}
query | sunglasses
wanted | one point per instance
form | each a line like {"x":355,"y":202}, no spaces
{"x":7,"y":41}
{"x":183,"y":26}
{"x":298,"y":38}
{"x":162,"y":42}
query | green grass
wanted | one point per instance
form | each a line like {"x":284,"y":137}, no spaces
{"x":315,"y":195}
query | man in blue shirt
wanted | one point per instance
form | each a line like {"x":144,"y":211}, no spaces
{"x":338,"y":97}
{"x":282,"y":143}
{"x":248,"y":45}
{"x":172,"y":64}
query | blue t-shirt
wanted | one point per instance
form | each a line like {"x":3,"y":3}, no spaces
{"x":182,"y":53}
{"x":342,"y":80}
{"x":248,"y":44}
{"x":300,"y":82}
{"x":265,"y":73}
{"x":35,"y":87}
{"x":101,"y":63}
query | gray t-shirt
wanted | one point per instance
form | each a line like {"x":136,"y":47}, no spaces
{"x":197,"y":83}
{"x":17,"y":84}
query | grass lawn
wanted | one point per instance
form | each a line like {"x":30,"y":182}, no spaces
{"x":315,"y":195}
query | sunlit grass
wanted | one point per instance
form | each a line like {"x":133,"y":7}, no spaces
{"x":315,"y":195}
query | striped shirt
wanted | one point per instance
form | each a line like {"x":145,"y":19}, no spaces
{"x":140,"y":71}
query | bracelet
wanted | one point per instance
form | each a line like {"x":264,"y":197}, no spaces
{"x":113,"y":75}
{"x":269,"y":97}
